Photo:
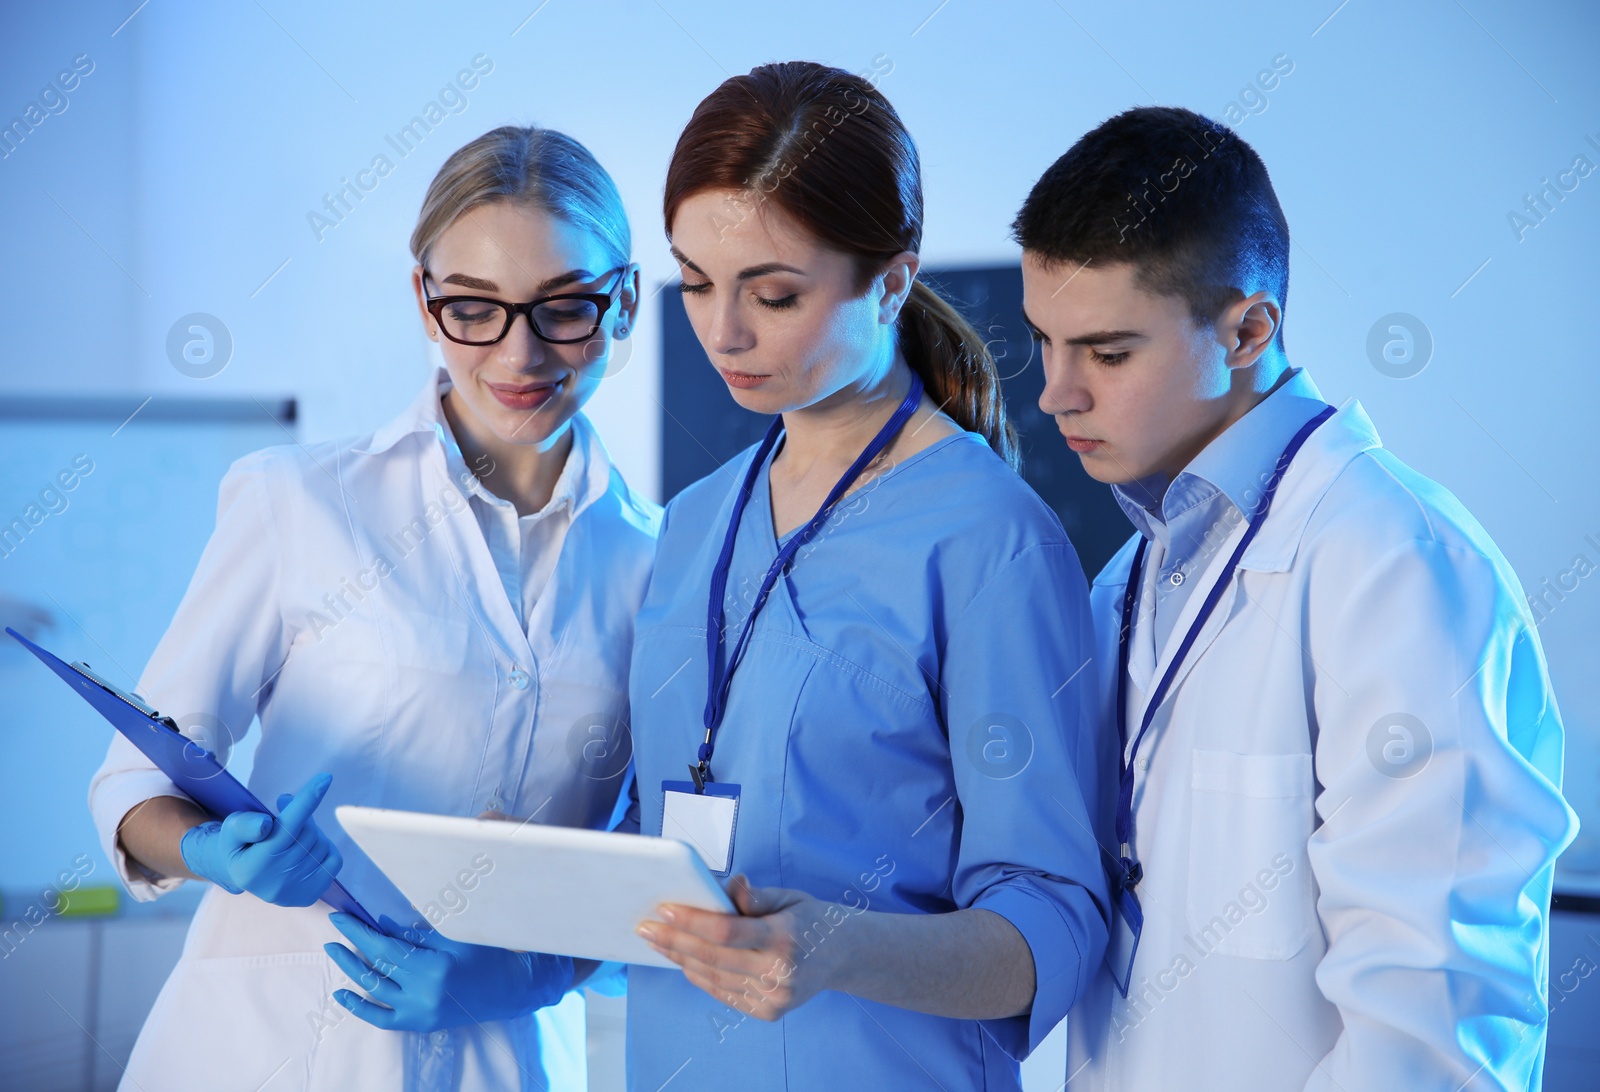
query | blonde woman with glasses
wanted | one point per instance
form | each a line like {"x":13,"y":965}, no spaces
{"x":436,"y":617}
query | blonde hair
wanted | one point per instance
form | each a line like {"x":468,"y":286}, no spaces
{"x":528,"y":165}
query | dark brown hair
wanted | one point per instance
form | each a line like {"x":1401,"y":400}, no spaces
{"x":1176,"y":195}
{"x":826,"y":148}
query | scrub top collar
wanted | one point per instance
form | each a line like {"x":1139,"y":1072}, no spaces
{"x":1234,"y":465}
{"x":761,"y":495}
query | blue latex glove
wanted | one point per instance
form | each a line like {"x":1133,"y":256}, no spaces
{"x":424,"y":981}
{"x":285,"y":860}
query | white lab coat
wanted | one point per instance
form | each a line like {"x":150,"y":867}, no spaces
{"x":1314,"y":919}
{"x":349,"y":599}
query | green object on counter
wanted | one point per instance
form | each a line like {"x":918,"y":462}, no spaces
{"x":90,"y":902}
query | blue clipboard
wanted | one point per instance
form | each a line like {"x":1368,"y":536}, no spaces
{"x":190,"y":766}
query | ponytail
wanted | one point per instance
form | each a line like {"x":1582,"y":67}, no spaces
{"x":957,"y":369}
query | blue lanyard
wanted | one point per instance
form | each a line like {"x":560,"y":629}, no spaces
{"x":720,"y":676}
{"x":1131,"y":871}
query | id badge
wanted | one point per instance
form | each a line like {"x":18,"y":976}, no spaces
{"x":1127,"y":922}
{"x":704,"y":821}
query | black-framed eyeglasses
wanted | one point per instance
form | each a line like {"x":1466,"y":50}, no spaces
{"x":562,"y":319}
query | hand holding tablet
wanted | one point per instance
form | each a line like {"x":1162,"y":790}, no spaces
{"x":526,"y":887}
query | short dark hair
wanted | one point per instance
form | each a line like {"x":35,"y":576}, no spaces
{"x":1175,"y":194}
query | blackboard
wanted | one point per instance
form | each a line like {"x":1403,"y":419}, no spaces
{"x":702,"y":427}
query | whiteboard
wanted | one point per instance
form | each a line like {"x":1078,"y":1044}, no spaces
{"x":105,"y":506}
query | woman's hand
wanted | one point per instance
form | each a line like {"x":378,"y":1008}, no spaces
{"x":423,"y":981}
{"x":785,"y":947}
{"x":760,"y":961}
{"x":285,"y":860}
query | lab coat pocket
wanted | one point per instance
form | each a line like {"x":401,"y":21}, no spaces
{"x":238,"y":1022}
{"x":1250,"y":890}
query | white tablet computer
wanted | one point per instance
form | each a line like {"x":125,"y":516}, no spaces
{"x":534,"y":888}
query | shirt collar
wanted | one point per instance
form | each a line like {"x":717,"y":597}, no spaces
{"x":584,"y":479}
{"x":1237,"y":464}
{"x":1348,"y":435}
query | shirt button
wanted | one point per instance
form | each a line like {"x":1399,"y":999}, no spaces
{"x":519,"y":678}
{"x":1143,"y":763}
{"x":439,"y":1038}
{"x":1176,"y":578}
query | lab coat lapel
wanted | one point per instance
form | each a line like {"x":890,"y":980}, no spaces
{"x":459,"y":530}
{"x":1108,"y":626}
{"x":1142,"y":641}
{"x":1326,"y":452}
{"x":1225,"y":607}
{"x":1146,"y":664}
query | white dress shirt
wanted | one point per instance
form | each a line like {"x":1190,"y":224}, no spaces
{"x":524,"y":548}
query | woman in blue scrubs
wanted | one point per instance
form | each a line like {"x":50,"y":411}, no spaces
{"x":862,"y":678}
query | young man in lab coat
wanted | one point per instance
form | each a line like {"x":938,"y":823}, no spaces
{"x":1342,"y":814}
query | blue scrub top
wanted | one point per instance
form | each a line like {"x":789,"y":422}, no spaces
{"x":913,"y":728}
